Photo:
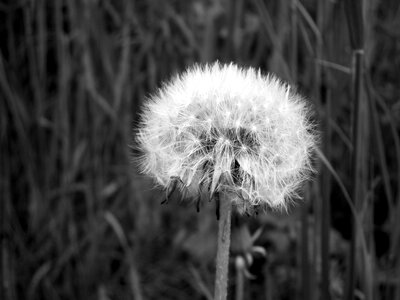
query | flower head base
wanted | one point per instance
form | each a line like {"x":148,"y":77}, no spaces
{"x":224,"y":128}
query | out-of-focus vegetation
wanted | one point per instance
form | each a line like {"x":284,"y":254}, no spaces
{"x":78,"y":222}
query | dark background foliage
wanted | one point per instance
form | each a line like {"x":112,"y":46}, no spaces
{"x":78,"y":222}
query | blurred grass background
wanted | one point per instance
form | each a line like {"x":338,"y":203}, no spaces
{"x":78,"y":222}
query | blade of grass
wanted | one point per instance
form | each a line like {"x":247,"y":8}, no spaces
{"x":342,"y":187}
{"x":32,"y":61}
{"x":267,"y":23}
{"x":42,"y":41}
{"x":8,"y":284}
{"x":359,"y":162}
{"x":321,"y":224}
{"x":353,"y":10}
{"x":334,"y":66}
{"x":123,"y":65}
{"x":326,"y":209}
{"x":354,"y":15}
{"x":305,"y":243}
{"x":294,"y":40}
{"x":316,"y":29}
{"x":201,"y":285}
{"x":133,"y":273}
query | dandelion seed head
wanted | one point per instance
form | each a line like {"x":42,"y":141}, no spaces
{"x":225,"y":128}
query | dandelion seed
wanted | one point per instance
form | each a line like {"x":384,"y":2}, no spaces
{"x":221,"y":127}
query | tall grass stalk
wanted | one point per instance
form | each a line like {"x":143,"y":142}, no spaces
{"x":360,"y":145}
{"x":358,"y":165}
{"x":324,"y":95}
{"x":294,"y":47}
{"x":306,"y":266}
{"x":326,"y":207}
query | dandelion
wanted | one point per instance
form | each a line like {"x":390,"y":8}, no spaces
{"x":223,"y":128}
{"x":232,"y":134}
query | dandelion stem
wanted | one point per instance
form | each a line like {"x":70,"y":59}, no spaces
{"x":224,"y":239}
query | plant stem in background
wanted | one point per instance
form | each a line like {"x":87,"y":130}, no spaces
{"x":353,"y":11}
{"x":325,"y":206}
{"x":223,"y":244}
{"x":323,"y":93}
{"x":305,"y":241}
{"x":240,"y":264}
{"x":358,"y":164}
{"x":294,"y":40}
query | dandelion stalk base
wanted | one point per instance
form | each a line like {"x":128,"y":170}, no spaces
{"x":224,"y":240}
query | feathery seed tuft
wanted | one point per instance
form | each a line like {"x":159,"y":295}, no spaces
{"x":224,"y":128}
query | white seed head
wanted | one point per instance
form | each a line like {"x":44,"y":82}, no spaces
{"x":225,"y":128}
